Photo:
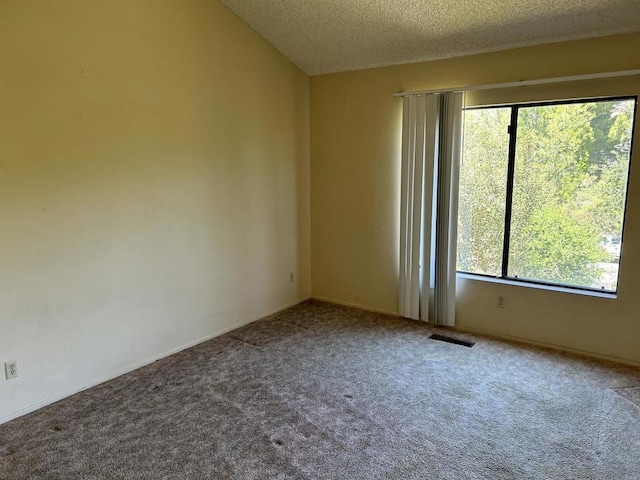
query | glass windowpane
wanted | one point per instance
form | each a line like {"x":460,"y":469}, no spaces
{"x":570,"y":183}
{"x":483,"y":180}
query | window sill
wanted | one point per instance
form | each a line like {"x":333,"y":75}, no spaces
{"x":503,"y":281}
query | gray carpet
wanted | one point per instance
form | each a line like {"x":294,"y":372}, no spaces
{"x":327,"y":392}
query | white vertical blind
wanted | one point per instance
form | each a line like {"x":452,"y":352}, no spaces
{"x":431,"y":137}
{"x":413,"y":152}
{"x":447,"y":208}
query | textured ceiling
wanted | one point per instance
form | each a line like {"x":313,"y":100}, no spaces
{"x":323,"y":36}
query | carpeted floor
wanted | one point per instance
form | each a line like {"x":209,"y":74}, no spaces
{"x":327,"y":392}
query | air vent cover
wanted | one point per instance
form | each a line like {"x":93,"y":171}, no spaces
{"x":457,"y":341}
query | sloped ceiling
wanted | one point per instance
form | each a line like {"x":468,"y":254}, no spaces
{"x":324,"y":36}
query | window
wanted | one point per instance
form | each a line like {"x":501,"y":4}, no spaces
{"x":543,"y":190}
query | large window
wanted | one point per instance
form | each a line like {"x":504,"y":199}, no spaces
{"x":543,"y":190}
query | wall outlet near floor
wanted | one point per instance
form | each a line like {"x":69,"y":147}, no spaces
{"x":11,"y":369}
{"x":500,"y":302}
{"x":292,"y":277}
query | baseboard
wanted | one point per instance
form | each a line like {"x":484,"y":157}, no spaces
{"x":355,"y":305}
{"x":552,"y":346}
{"x":137,"y":365}
{"x":527,"y":341}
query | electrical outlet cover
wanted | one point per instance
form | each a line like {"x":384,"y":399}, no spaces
{"x":11,"y":369}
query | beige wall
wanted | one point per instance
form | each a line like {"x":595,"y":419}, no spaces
{"x":154,"y":184}
{"x":355,"y":165}
{"x":154,"y":189}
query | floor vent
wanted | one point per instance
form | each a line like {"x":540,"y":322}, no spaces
{"x":457,"y":341}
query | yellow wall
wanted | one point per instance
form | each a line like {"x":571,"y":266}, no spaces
{"x":154,"y":189}
{"x":154,"y":183}
{"x":355,"y":167}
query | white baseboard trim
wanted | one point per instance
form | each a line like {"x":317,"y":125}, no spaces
{"x":499,"y":336}
{"x":130,"y":368}
{"x":355,"y":305}
{"x":552,"y":346}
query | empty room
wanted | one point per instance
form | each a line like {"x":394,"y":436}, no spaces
{"x":329,"y":239}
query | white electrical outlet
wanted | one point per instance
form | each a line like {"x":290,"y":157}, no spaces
{"x":292,"y":277}
{"x":500,"y":302}
{"x":11,"y":369}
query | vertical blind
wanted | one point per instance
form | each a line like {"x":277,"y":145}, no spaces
{"x":431,"y":142}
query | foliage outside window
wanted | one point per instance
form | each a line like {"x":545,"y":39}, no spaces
{"x":543,"y":190}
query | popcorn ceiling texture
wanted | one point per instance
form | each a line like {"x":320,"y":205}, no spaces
{"x":325,"y":36}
